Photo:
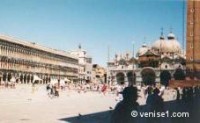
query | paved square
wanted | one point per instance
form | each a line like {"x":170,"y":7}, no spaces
{"x":24,"y":104}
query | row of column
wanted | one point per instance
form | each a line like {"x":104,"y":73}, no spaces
{"x":125,"y":77}
{"x":23,"y":78}
{"x":16,"y":51}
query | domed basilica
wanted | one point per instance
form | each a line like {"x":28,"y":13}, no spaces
{"x":164,"y":54}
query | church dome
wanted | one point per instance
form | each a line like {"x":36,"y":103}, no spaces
{"x":142,"y":50}
{"x":171,"y":36}
{"x":171,"y":45}
{"x":174,"y":45}
{"x":161,"y":45}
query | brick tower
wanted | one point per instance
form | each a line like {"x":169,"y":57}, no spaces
{"x":193,"y":38}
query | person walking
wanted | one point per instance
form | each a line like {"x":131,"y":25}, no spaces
{"x":155,"y":104}
{"x":122,"y":111}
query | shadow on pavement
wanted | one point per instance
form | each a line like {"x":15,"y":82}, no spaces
{"x":99,"y":117}
{"x":191,"y":106}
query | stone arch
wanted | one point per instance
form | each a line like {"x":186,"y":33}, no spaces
{"x":131,"y":78}
{"x":1,"y":77}
{"x":28,"y":78}
{"x":148,"y":76}
{"x":43,"y":79}
{"x":120,"y":78}
{"x":21,"y":78}
{"x":179,"y":74}
{"x":9,"y":77}
{"x":46,"y":80}
{"x":25,"y":78}
{"x":165,"y":76}
{"x":32,"y":78}
{"x":4,"y":77}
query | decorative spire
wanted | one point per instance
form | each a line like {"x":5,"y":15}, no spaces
{"x":127,"y":55}
{"x":162,"y":36}
{"x":144,"y":44}
{"x":79,"y":46}
{"x":116,"y":55}
{"x":171,"y":35}
{"x":108,"y":53}
{"x":170,"y":29}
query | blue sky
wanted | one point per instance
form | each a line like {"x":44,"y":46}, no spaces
{"x":95,"y":24}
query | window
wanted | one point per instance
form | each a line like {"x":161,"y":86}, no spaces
{"x":191,"y":22}
{"x":191,"y":45}
{"x":191,"y":58}
{"x":191,"y":34}
{"x":191,"y":10}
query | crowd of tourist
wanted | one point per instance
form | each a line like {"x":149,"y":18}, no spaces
{"x":154,"y":101}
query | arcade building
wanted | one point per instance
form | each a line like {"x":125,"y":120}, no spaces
{"x":25,"y":62}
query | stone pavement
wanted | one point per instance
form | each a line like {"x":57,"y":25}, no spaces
{"x":191,"y":107}
{"x":23,"y":105}
{"x":32,"y":105}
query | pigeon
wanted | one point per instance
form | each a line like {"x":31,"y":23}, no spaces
{"x":79,"y":115}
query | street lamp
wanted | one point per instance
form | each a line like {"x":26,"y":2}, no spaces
{"x":133,"y":74}
{"x":133,"y":43}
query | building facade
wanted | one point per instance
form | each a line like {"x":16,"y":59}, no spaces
{"x":98,"y":74}
{"x":25,"y":62}
{"x":193,"y":38}
{"x":85,"y":65}
{"x":162,"y":55}
{"x":121,"y":69}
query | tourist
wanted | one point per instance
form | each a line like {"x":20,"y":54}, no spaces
{"x":98,"y":87}
{"x":33,"y":88}
{"x":56,"y":92}
{"x":122,"y":112}
{"x":181,"y":92}
{"x":195,"y":91}
{"x":119,"y":88}
{"x":104,"y":88}
{"x":184,"y":97}
{"x":153,"y":99}
{"x":177,"y":94}
{"x":79,"y":87}
{"x":162,"y":90}
{"x":149,"y":90}
{"x":48,"y":87}
{"x":198,"y":91}
{"x":190,"y":93}
{"x":155,"y":104}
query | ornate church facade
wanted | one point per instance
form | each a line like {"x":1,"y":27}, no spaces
{"x":164,"y":54}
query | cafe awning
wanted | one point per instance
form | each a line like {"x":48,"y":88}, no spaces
{"x":36,"y":78}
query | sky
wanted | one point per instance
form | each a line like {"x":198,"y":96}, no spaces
{"x":95,"y":24}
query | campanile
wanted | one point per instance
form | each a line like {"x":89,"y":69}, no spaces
{"x":193,"y":38}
